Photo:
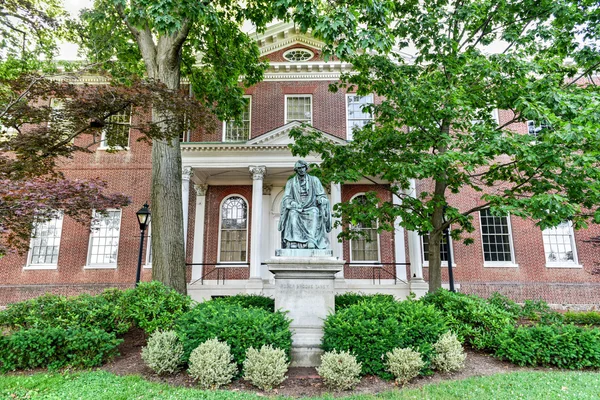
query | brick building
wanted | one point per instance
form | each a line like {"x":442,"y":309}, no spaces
{"x":232,"y":188}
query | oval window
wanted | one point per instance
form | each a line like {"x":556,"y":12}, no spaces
{"x":298,"y":55}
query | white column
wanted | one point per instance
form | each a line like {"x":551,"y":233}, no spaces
{"x":414,"y":242}
{"x":337,"y":247}
{"x":258,"y":174}
{"x":186,"y":175}
{"x":198,"y":253}
{"x":399,"y":248}
{"x":266,"y":231}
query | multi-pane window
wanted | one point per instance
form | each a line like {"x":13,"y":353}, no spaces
{"x":298,"y":108}
{"x":535,"y":129}
{"x":444,"y":249}
{"x":239,"y":131}
{"x":234,"y":230}
{"x":496,"y":238}
{"x":356,"y":118}
{"x":45,"y":242}
{"x":366,"y":246}
{"x":115,"y":134}
{"x":104,"y":239}
{"x":559,"y":244}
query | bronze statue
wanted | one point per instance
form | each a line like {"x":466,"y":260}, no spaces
{"x":305,"y":212}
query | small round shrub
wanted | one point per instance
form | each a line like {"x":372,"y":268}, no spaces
{"x":340,"y":371}
{"x":211,"y":364}
{"x":370,"y":329}
{"x":404,"y":364}
{"x":152,"y":306}
{"x":163,"y":353}
{"x":266,"y":367}
{"x":449,"y":354}
{"x":240,"y":327}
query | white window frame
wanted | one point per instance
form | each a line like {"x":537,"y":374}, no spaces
{"x":224,"y":138}
{"x":90,"y":265}
{"x":103,"y":145}
{"x":32,"y":266}
{"x":500,"y":264}
{"x":563,"y":264}
{"x":444,"y":263}
{"x":287,"y":96}
{"x":349,"y":131}
{"x":240,"y":263}
{"x":495,"y":117}
{"x":366,"y":263}
{"x":537,"y":126}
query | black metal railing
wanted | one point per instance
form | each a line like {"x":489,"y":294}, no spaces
{"x":220,"y":269}
{"x":377,"y":271}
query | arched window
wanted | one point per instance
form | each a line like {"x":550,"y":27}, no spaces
{"x":233,"y":230}
{"x":365,"y":248}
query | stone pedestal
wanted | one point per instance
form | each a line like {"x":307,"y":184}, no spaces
{"x":304,"y":286}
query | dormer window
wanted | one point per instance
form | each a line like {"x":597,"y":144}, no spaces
{"x":296,"y":55}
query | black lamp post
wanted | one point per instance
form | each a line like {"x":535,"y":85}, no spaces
{"x":143,"y":216}
{"x":447,"y":237}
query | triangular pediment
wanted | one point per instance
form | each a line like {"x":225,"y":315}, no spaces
{"x":281,"y":136}
{"x":284,"y":35}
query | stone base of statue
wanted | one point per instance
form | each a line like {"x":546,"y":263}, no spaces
{"x":304,"y":287}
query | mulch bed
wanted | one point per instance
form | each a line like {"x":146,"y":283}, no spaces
{"x":301,"y":382}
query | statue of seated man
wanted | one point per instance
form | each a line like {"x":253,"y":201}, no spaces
{"x":305,"y":212}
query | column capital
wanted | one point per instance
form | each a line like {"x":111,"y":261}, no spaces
{"x":200,"y":189}
{"x":258,"y":171}
{"x":186,"y":173}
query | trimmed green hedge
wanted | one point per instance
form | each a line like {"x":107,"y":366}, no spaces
{"x":349,"y":299}
{"x":564,"y":346}
{"x":54,"y":311}
{"x":240,"y":327}
{"x":470,"y":317}
{"x":249,"y":300}
{"x":582,"y":318}
{"x":56,"y":348}
{"x":371,"y":329}
{"x":152,"y":306}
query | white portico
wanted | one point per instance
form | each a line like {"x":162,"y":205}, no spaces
{"x":261,"y":167}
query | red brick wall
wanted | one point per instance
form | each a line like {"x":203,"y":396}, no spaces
{"x":128,"y":172}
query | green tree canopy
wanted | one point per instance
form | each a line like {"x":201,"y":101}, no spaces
{"x":441,"y":68}
{"x":165,"y":40}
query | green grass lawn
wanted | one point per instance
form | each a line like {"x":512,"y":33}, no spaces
{"x":100,"y":385}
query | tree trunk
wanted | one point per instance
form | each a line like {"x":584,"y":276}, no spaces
{"x":163,"y":62}
{"x":168,"y":254}
{"x":437,"y":220}
{"x":435,"y":260}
